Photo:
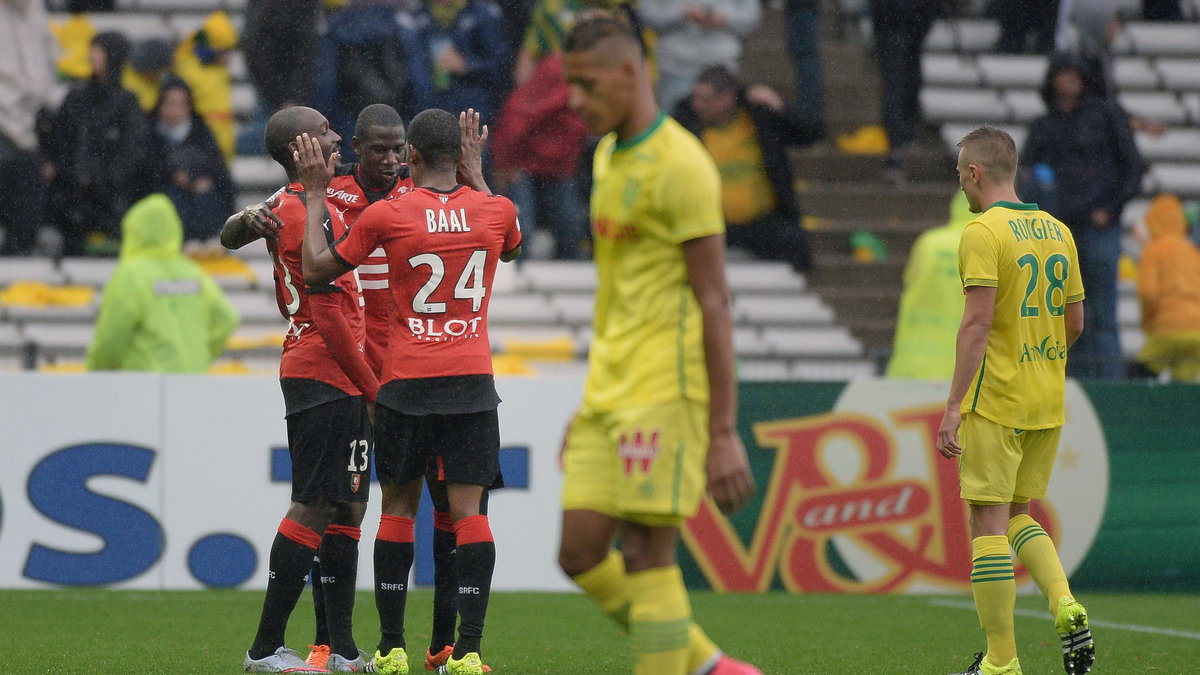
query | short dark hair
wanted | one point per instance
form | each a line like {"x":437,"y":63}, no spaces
{"x":283,"y":128}
{"x":596,"y":26}
{"x":720,"y":78}
{"x":376,"y":115}
{"x":993,"y":149}
{"x":436,"y":135}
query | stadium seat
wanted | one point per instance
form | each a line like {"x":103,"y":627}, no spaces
{"x":28,"y":269}
{"x":522,"y":309}
{"x":749,"y":343}
{"x":58,"y":340}
{"x":53,"y":313}
{"x":963,"y":105}
{"x":87,"y":271}
{"x":953,"y":133}
{"x":1163,"y":106}
{"x":1134,"y":72}
{"x":256,"y":307}
{"x":976,"y":35}
{"x":812,"y":342}
{"x":258,"y":171}
{"x":136,"y":26}
{"x":1182,"y":179}
{"x":1165,"y":39}
{"x":1026,"y":104}
{"x":1132,"y":341}
{"x":1002,"y":71}
{"x":941,"y":38}
{"x":1129,"y":311}
{"x":949,"y":70}
{"x":763,"y":277}
{"x":806,"y":309}
{"x":1181,"y":74}
{"x":556,"y":277}
{"x":1173,"y":145}
{"x":837,"y":370}
{"x":1191,"y":103}
{"x":575,"y":309}
{"x":244,"y":100}
{"x":763,"y":370}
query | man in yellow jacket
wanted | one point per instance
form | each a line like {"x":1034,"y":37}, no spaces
{"x":202,"y":60}
{"x":932,"y":305}
{"x":160,"y":312}
{"x":1169,"y":290}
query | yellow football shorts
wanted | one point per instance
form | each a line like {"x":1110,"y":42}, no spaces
{"x":643,"y":464}
{"x":1000,"y":465}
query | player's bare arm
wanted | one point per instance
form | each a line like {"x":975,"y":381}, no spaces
{"x":729,"y":479}
{"x":249,"y":225}
{"x":1074,"y":317}
{"x":968,"y":355}
{"x":318,"y":263}
{"x":470,"y":163}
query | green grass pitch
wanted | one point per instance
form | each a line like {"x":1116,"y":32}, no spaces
{"x":143,"y":632}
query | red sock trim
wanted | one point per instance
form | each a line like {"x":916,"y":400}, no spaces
{"x":299,"y":533}
{"x":345,"y":531}
{"x":472,"y":530}
{"x":442,"y":521}
{"x":395,"y":528}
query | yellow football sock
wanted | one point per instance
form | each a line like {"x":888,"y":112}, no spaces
{"x":995,"y":592}
{"x":1036,"y":552}
{"x":659,"y":620}
{"x":606,"y":584}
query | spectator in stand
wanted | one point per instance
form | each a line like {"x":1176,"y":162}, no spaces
{"x":79,"y":6}
{"x":25,"y":80}
{"x":803,"y":26}
{"x":187,"y":165}
{"x":1169,"y":291}
{"x":932,"y":305}
{"x":694,"y":34}
{"x":1162,"y":10}
{"x":1027,"y":26}
{"x":1087,"y":143}
{"x":456,"y":55}
{"x":161,"y":312}
{"x":95,"y":142}
{"x":748,"y":132}
{"x":536,"y":150}
{"x":149,"y":67}
{"x":202,"y":60}
{"x":280,"y":45}
{"x":900,"y":28}
{"x":548,"y":25}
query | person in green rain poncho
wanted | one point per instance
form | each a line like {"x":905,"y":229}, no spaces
{"x":160,"y":311}
{"x":932,"y":304}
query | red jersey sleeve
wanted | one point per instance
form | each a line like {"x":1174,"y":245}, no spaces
{"x":512,"y":235}
{"x":328,"y":315}
{"x":364,"y":237}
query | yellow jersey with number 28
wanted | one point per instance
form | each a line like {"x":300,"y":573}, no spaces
{"x":1030,"y":258}
{"x":650,"y":194}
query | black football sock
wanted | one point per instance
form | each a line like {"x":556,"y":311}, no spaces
{"x":393,"y":560}
{"x":339,"y":567}
{"x":445,"y":583}
{"x":474,"y":561}
{"x":290,"y":561}
{"x":318,"y":595}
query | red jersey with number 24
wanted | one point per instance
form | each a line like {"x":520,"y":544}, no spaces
{"x":442,"y":249}
{"x":305,"y":355}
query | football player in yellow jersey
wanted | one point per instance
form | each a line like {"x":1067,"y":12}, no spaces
{"x":1024,"y":309}
{"x":659,"y":403}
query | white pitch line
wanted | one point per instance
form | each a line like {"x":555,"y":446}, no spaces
{"x":1133,"y":628}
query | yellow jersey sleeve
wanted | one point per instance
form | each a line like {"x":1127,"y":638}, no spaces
{"x":1074,"y":281}
{"x":979,"y":257}
{"x":690,"y":194}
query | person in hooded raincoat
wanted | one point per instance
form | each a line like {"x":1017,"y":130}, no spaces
{"x":932,"y":304}
{"x":160,"y":312}
{"x":1169,"y":290}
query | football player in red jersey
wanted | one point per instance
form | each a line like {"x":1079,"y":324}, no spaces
{"x":327,"y":388}
{"x":442,"y":241}
{"x":380,"y":175}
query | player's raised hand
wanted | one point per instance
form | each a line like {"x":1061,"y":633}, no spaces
{"x":314,"y":168}
{"x":470,"y":162}
{"x":729,"y":479}
{"x":947,"y":438}
{"x":261,"y":221}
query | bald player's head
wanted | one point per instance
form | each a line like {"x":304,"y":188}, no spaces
{"x":285,"y":125}
{"x":986,"y":157}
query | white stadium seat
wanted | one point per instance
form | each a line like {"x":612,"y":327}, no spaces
{"x":763,"y":277}
{"x":1181,"y":74}
{"x":941,"y":38}
{"x":1191,"y":103}
{"x":1135,"y":72}
{"x":977,"y":35}
{"x":256,"y":307}
{"x":953,"y":133}
{"x":763,"y":370}
{"x":1173,"y":145}
{"x":28,"y":269}
{"x":1129,"y":311}
{"x":1132,"y":341}
{"x":244,"y":99}
{"x":812,"y":342}
{"x":1002,"y":71}
{"x":59,"y":339}
{"x":1182,"y":179}
{"x":835,"y":370}
{"x":559,"y":276}
{"x":258,"y":170}
{"x":576,"y":309}
{"x":1163,"y":106}
{"x":806,"y":309}
{"x":1165,"y":39}
{"x":1026,"y":104}
{"x":749,"y":342}
{"x":949,"y":70}
{"x":88,"y":271}
{"x":963,"y":105}
{"x":522,"y":309}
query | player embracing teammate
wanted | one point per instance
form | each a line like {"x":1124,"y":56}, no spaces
{"x":438,"y":402}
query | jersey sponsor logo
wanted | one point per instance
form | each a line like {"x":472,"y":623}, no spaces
{"x":610,"y":229}
{"x":859,"y":502}
{"x":1043,"y":351}
{"x":638,"y":449}
{"x":438,"y":330}
{"x":446,"y":220}
{"x":341,"y":195}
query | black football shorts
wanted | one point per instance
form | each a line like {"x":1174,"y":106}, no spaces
{"x":330,"y":446}
{"x":457,"y":448}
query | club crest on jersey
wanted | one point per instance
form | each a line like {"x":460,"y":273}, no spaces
{"x":355,"y":481}
{"x":638,"y":449}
